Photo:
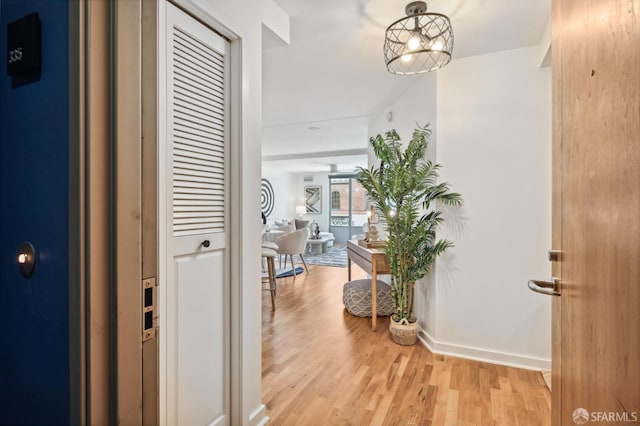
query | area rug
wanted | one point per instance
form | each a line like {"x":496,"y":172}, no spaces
{"x":283,"y":272}
{"x":335,"y":256}
{"x":288,"y":272}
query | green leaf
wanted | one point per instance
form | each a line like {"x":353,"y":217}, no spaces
{"x":401,"y":189}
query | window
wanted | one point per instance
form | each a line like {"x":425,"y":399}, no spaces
{"x":335,"y":200}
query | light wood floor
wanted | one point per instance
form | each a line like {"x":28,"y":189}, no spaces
{"x":322,"y":366}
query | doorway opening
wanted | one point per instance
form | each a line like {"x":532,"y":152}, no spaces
{"x":348,"y":207}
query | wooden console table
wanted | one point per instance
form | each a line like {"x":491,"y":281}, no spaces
{"x":373,"y":261}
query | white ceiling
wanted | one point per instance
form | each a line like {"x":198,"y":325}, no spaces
{"x":332,"y":75}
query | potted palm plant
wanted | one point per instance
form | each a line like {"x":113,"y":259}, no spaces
{"x":404,"y":189}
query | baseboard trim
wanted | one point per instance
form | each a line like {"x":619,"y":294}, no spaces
{"x":259,"y":416}
{"x":483,"y":355}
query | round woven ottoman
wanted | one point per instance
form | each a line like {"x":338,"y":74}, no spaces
{"x":356,"y":296}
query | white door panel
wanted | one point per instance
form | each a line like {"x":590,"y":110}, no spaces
{"x":194,"y":243}
{"x":200,"y":280}
{"x":197,"y":328}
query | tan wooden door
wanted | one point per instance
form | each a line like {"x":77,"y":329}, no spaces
{"x":596,"y":84}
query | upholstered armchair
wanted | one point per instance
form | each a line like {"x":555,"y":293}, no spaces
{"x":293,"y":243}
{"x":284,"y":228}
{"x":299,"y":223}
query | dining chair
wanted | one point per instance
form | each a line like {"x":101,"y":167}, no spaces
{"x":269,"y":256}
{"x":293,"y":243}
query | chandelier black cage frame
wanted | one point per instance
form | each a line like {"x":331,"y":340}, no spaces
{"x":420,"y":42}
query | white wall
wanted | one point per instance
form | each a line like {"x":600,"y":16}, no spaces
{"x":289,"y":193}
{"x":242,"y":22}
{"x":492,"y":128}
{"x":286,"y":196}
{"x":415,"y":106}
{"x":494,"y":141}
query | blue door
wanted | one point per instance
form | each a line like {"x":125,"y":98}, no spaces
{"x":35,"y":365}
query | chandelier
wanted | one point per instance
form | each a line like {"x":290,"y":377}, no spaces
{"x":420,"y":42}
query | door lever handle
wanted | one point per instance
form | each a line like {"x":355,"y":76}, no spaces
{"x":550,"y":288}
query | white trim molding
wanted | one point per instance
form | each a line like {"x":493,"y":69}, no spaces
{"x":545,"y":47}
{"x":259,"y":416}
{"x":483,"y":355}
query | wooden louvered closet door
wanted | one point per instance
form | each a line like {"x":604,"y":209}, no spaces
{"x":197,"y":228}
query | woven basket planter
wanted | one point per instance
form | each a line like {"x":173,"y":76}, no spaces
{"x":403,"y":332}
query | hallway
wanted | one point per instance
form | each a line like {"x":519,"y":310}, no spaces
{"x":322,"y":366}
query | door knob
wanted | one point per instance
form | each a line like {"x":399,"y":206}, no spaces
{"x":205,"y":243}
{"x":550,"y":288}
{"x":26,"y":258}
